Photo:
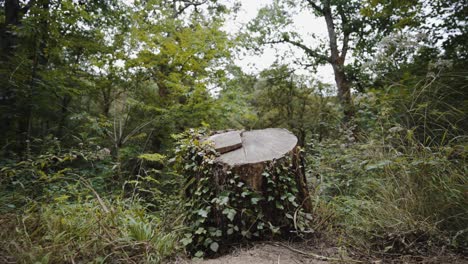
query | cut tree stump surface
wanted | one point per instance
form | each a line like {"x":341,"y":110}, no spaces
{"x":256,"y":151}
{"x":227,"y":141}
{"x":255,"y":146}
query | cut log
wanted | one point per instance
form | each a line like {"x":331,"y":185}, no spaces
{"x":248,"y":153}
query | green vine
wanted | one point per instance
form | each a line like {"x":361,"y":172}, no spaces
{"x":221,"y":209}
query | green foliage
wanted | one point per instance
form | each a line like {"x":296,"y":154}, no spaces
{"x":221,"y":208}
{"x":53,"y":177}
{"x":389,"y":191}
{"x":90,"y":94}
{"x":118,"y":231}
{"x":65,"y":205}
{"x":280,"y":98}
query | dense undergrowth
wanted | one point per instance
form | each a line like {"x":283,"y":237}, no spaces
{"x":399,"y":184}
{"x":65,"y":206}
{"x":382,"y":189}
{"x":395,"y":200}
{"x":96,"y":95}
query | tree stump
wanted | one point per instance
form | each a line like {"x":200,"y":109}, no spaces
{"x":241,"y":185}
{"x":248,"y":153}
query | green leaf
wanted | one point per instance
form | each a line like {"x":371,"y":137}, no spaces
{"x":185,"y":241}
{"x":279,"y":205}
{"x":255,"y":200}
{"x":203,"y":213}
{"x":230,"y":213}
{"x":200,"y":231}
{"x":156,"y":157}
{"x":378,"y":165}
{"x":214,"y":246}
{"x":223,"y":200}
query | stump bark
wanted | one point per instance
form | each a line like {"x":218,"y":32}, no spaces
{"x":248,"y":153}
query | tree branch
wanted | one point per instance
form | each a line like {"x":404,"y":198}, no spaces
{"x":346,"y":32}
{"x":189,"y":4}
{"x":26,"y":8}
{"x":315,"y":6}
{"x":307,"y":50}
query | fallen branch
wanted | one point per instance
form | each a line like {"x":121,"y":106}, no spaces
{"x":313,"y":255}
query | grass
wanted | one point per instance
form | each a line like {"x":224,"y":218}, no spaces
{"x":87,"y":232}
{"x":403,"y":199}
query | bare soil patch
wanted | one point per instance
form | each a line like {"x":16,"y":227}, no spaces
{"x":298,"y":253}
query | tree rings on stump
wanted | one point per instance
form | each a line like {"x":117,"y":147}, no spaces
{"x":247,"y":153}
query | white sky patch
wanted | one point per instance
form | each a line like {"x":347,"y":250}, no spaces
{"x":305,"y":24}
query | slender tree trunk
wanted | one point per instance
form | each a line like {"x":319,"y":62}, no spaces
{"x":107,"y":102}
{"x":337,"y":61}
{"x":8,"y":39}
{"x":66,"y":100}
{"x":25,"y":106}
{"x":8,"y":96}
{"x":344,"y":90}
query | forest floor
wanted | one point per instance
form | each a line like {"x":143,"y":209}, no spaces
{"x":298,"y":253}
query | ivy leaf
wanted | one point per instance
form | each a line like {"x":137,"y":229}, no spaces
{"x":230,"y":213}
{"x":274,"y":229}
{"x":214,"y":246}
{"x":279,"y":205}
{"x":203,"y":213}
{"x":255,"y":200}
{"x":199,"y":254}
{"x":200,"y":230}
{"x":224,"y":200}
{"x":260,"y":225}
{"x":245,"y":233}
{"x":185,"y":241}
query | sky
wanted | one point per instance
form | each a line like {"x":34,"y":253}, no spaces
{"x":304,"y":23}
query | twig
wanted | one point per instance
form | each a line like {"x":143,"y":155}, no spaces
{"x":88,"y":185}
{"x":313,"y":255}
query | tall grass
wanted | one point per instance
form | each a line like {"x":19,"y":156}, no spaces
{"x":402,"y":187}
{"x":122,"y":231}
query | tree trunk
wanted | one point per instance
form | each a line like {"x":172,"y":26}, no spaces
{"x":8,"y":40}
{"x":338,"y":61}
{"x":12,"y":19}
{"x":344,"y":90}
{"x":66,"y":100}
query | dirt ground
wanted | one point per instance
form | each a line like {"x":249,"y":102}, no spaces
{"x":298,"y":253}
{"x":264,"y":254}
